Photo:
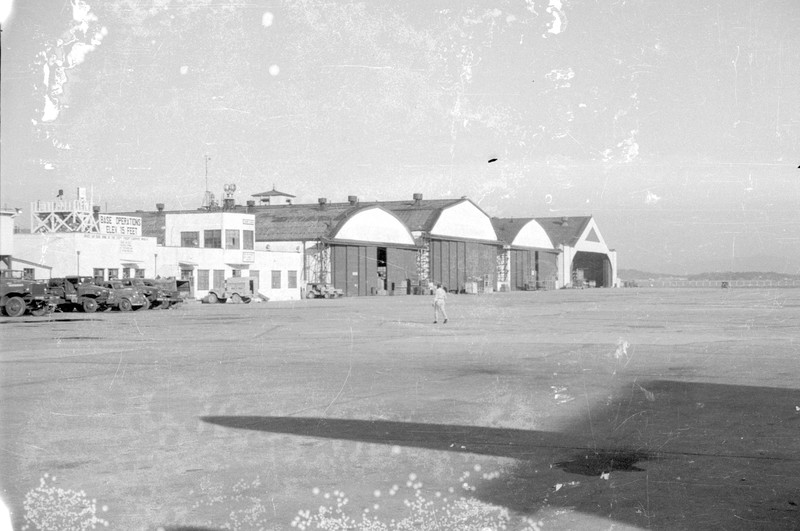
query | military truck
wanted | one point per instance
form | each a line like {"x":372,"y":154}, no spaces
{"x":126,"y":298}
{"x":172,"y":290}
{"x":80,"y":293}
{"x":157,"y":297}
{"x":237,"y":289}
{"x":19,"y":294}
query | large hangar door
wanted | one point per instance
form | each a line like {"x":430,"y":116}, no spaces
{"x":340,"y":272}
{"x":482,"y":262}
{"x":354,"y":269}
{"x":401,"y":264}
{"x":546,"y":269}
{"x":520,"y":268}
{"x":453,"y":263}
{"x":448,"y":263}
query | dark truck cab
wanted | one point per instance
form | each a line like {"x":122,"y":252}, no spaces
{"x":75,"y":292}
{"x":126,"y":298}
{"x":19,"y":294}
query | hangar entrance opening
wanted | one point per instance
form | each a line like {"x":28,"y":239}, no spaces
{"x":595,"y":267}
{"x":381,"y":260}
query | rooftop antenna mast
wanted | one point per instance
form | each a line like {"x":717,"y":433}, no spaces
{"x":208,"y":198}
{"x":207,"y":158}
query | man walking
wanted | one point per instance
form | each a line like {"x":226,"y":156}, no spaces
{"x":439,"y":297}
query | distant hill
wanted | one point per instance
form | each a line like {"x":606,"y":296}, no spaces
{"x":747,"y":264}
{"x":635,"y":274}
{"x":743,"y":275}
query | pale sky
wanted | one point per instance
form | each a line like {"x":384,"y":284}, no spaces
{"x":676,"y":124}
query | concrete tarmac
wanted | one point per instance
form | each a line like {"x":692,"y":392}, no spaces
{"x":570,"y":409}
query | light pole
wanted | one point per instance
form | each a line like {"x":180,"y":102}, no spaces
{"x":155,"y":265}
{"x":79,"y":262}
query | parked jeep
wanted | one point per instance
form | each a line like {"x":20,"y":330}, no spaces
{"x":237,"y":289}
{"x":318,"y":290}
{"x":80,"y":293}
{"x":19,"y":294}
{"x":126,"y":298}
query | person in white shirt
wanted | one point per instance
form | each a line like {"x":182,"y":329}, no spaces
{"x":439,"y":297}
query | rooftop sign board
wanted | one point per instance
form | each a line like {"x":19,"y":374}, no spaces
{"x":126,"y":225}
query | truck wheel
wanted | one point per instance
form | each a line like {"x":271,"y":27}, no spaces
{"x":145,"y":306}
{"x":236,"y":299}
{"x":212,"y":298}
{"x":89,"y":305}
{"x":15,"y":307}
{"x":125,"y":305}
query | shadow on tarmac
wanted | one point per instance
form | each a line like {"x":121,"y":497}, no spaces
{"x":662,"y":454}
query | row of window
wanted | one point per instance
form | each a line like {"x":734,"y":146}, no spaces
{"x":215,"y":278}
{"x":212,"y":239}
{"x":29,"y":273}
{"x":113,"y":273}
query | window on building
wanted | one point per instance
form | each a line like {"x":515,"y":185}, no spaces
{"x":139,"y":273}
{"x":202,"y":279}
{"x":212,"y":239}
{"x":232,"y":239}
{"x":248,"y":240}
{"x":276,"y":280}
{"x":29,"y":273}
{"x":219,"y":278}
{"x":256,"y":275}
{"x":292,"y":279}
{"x":126,"y":272}
{"x":99,"y":274}
{"x":236,"y":272}
{"x":113,"y":273}
{"x":190,"y":239}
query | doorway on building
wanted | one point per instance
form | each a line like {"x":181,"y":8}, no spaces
{"x":382,"y":270}
{"x":188,"y":274}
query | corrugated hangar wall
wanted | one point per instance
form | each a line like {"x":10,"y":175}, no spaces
{"x":401,"y":265}
{"x":524,"y":262}
{"x":547,"y":271}
{"x":354,"y":269}
{"x":454,"y":262}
